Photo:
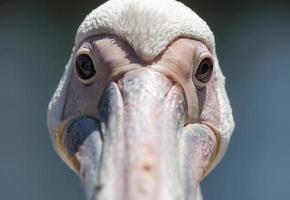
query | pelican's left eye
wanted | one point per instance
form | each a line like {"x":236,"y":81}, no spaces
{"x":204,"y":70}
{"x":85,"y":67}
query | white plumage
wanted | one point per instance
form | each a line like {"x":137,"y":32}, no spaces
{"x":148,"y":26}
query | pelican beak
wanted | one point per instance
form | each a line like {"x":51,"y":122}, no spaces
{"x":137,"y":148}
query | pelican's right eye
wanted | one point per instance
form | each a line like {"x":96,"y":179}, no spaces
{"x":85,"y":67}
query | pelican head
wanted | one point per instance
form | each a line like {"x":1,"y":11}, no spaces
{"x":141,"y":112}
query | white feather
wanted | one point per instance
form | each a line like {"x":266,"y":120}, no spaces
{"x":148,"y":25}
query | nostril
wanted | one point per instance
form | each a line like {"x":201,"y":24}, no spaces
{"x":77,"y":132}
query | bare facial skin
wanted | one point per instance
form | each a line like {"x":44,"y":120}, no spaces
{"x":141,"y":130}
{"x":113,"y":58}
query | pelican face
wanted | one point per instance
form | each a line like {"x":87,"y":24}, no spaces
{"x":138,"y":123}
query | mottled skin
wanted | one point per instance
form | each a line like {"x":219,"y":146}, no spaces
{"x":153,"y":124}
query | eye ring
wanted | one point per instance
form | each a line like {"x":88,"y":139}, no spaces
{"x":85,"y":68}
{"x":203,"y":72}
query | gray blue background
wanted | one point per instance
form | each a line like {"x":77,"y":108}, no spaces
{"x":253,"y":44}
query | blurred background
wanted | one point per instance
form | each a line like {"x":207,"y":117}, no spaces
{"x":253,"y":44}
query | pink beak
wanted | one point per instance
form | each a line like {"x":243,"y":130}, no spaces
{"x":141,"y":148}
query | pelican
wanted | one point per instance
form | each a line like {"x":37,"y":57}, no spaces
{"x":141,"y":111}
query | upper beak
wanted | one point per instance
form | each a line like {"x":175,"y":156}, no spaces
{"x":140,"y":148}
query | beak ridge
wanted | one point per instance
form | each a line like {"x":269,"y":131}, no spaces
{"x":146,"y":152}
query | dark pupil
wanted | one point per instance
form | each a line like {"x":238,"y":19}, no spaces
{"x":85,"y":66}
{"x":204,"y":70}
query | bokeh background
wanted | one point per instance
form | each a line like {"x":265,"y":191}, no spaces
{"x":253,"y":44}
